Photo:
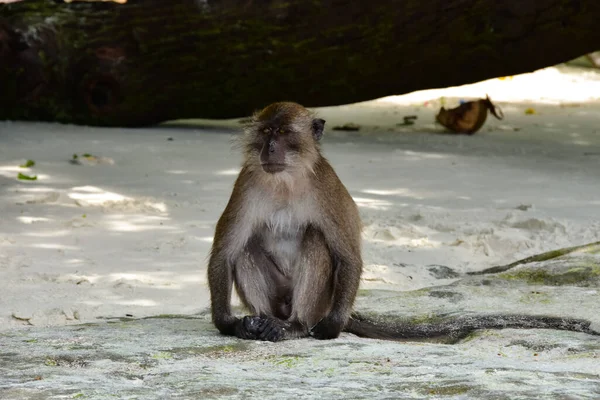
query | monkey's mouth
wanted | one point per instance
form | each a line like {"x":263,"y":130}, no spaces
{"x":273,"y":168}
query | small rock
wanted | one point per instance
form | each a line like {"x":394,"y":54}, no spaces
{"x":523,"y":207}
{"x":347,"y":127}
{"x":22,"y":316}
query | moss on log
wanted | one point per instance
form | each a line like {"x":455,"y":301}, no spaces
{"x":149,"y":61}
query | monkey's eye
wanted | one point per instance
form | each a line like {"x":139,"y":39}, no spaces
{"x":281,"y":131}
{"x":266,"y":130}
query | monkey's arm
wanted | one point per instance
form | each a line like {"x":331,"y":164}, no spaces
{"x":220,"y":282}
{"x":346,"y":282}
{"x":342,"y":230}
{"x":220,"y":270}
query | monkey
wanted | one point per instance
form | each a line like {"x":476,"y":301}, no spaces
{"x":289,"y":242}
{"x":289,"y":237}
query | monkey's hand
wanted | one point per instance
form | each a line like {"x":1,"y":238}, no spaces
{"x":328,"y":328}
{"x":257,"y":328}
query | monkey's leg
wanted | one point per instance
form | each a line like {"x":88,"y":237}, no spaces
{"x":313,"y":285}
{"x":311,"y":297}
{"x":263,"y":289}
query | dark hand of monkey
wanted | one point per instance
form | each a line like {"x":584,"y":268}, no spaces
{"x":328,"y":328}
{"x":257,"y":328}
{"x":247,"y":328}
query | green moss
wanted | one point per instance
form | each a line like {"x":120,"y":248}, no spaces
{"x":214,"y":393}
{"x":578,"y":276}
{"x":583,"y":355}
{"x":451,"y":390}
{"x":211,"y":350}
{"x":163,"y":355}
{"x":536,"y":297}
{"x":50,"y":362}
{"x":287,"y":362}
{"x":425,"y":319}
{"x":65,"y":361}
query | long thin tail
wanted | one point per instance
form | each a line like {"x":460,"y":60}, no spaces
{"x":453,"y":329}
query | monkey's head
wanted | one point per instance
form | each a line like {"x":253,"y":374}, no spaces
{"x":283,"y":137}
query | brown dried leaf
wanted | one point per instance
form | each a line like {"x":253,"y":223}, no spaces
{"x":469,"y":117}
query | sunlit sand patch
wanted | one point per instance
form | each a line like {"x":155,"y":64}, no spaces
{"x":376,"y":273}
{"x":374,"y":204}
{"x":79,"y":261}
{"x":383,"y":192}
{"x":403,"y":192}
{"x":546,"y":86}
{"x":54,"y":246}
{"x":48,"y":234}
{"x":405,"y":235}
{"x":36,"y":189}
{"x":12,"y":172}
{"x":94,"y":196}
{"x":116,"y":300}
{"x":141,"y":278}
{"x":138,"y":302}
{"x":33,"y":220}
{"x":581,"y":142}
{"x":51,"y":197}
{"x":129,"y":226}
{"x":228,"y":172}
{"x":421,"y":155}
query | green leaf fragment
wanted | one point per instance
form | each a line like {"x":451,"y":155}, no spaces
{"x":26,"y":177}
{"x":28,"y":164}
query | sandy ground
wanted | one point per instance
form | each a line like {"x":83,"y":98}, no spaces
{"x":128,"y":233}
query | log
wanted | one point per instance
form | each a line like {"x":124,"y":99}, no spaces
{"x":144,"y":62}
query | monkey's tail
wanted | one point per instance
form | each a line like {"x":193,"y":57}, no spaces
{"x":453,"y":329}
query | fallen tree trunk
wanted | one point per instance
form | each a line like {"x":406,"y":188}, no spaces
{"x":148,"y":61}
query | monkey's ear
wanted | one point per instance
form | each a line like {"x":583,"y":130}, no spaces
{"x":317,"y":126}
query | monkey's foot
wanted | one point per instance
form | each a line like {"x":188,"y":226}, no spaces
{"x":257,"y":328}
{"x":327,"y":328}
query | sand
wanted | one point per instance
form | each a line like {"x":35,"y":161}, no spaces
{"x":127,"y":233}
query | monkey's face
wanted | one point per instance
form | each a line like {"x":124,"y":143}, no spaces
{"x":283,"y":137}
{"x":277,"y":142}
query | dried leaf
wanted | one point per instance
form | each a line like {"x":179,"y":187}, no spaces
{"x":469,"y":117}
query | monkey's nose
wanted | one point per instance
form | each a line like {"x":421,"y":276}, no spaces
{"x":271,"y":147}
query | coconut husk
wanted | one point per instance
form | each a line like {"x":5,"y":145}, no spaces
{"x":469,"y":117}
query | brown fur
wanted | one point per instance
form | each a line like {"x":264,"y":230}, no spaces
{"x":288,"y":241}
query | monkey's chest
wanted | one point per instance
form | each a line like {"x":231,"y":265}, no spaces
{"x":282,"y":238}
{"x":283,"y":248}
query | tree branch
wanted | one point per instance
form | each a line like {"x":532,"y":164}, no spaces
{"x":148,"y":61}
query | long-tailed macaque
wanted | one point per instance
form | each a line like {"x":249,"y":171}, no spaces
{"x":289,"y":240}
